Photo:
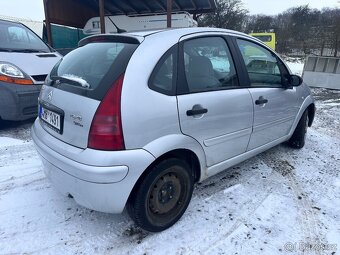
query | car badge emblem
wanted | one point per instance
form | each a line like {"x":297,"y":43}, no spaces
{"x":76,"y":117}
{"x":50,"y":95}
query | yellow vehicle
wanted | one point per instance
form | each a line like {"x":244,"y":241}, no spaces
{"x":267,"y":38}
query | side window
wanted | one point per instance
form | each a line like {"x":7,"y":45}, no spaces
{"x":262,"y":65}
{"x":208,"y":65}
{"x":162,"y":79}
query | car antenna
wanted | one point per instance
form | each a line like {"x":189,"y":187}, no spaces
{"x":119,"y":30}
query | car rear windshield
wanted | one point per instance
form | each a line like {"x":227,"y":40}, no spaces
{"x":92,"y":69}
{"x":15,"y":37}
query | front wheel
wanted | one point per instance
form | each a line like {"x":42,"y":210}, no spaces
{"x":299,"y":136}
{"x":162,"y":196}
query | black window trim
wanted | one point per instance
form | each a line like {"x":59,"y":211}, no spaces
{"x":182,"y":84}
{"x":174,"y":51}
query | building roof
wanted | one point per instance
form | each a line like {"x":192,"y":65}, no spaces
{"x":63,"y":11}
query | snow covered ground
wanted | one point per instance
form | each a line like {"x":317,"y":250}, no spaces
{"x":295,"y":64}
{"x":275,"y":203}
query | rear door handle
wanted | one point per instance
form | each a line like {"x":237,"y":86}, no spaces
{"x":261,"y":100}
{"x":196,"y":110}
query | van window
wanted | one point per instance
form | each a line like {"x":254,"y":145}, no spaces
{"x":264,"y":38}
{"x":18,"y":38}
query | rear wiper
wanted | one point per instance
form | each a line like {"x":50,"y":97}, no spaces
{"x":70,"y":80}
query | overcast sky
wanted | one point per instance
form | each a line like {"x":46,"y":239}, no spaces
{"x":271,"y":7}
{"x":33,"y":9}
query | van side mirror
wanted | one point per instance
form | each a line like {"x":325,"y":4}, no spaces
{"x":295,"y":80}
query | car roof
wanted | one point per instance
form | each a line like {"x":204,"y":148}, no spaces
{"x":180,"y":32}
{"x":169,"y":34}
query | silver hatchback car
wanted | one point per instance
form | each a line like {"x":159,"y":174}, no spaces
{"x":134,"y":120}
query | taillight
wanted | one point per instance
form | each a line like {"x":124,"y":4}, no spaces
{"x":106,"y":132}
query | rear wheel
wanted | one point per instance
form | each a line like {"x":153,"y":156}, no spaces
{"x":299,"y":136}
{"x":163,"y":195}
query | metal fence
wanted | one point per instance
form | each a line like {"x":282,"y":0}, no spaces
{"x":322,"y":72}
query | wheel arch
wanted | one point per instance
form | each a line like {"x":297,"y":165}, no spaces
{"x":184,"y":154}
{"x":308,"y":104}
{"x":179,"y":146}
{"x":311,"y":114}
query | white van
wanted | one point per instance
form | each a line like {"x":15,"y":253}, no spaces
{"x":25,"y":61}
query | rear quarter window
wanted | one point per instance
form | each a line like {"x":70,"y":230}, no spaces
{"x":163,"y":77}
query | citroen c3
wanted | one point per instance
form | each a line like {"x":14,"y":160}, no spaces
{"x":134,"y":120}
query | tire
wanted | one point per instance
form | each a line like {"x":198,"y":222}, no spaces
{"x":162,"y":196}
{"x":298,"y":138}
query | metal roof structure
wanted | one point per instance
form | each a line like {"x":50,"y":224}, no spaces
{"x":77,"y":12}
{"x":116,"y":7}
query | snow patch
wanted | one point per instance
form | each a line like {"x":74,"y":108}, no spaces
{"x":78,"y":79}
{"x":296,"y":67}
{"x":232,"y":188}
{"x":337,"y":184}
{"x":7,"y":141}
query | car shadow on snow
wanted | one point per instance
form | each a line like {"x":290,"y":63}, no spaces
{"x":6,"y":124}
{"x":16,"y":129}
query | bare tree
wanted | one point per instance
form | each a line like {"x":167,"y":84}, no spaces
{"x":302,"y":30}
{"x":228,"y":14}
{"x":299,"y":30}
{"x":260,"y":23}
{"x":331,"y":19}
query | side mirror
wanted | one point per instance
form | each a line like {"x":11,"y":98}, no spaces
{"x":295,"y":80}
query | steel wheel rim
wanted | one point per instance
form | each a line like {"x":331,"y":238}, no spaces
{"x":165,"y":214}
{"x":165,"y":194}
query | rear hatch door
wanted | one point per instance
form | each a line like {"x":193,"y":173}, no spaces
{"x":77,"y":84}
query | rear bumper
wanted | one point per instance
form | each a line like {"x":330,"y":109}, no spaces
{"x":101,"y":188}
{"x":18,"y":102}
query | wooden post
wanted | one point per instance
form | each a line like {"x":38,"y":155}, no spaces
{"x":102,"y":16}
{"x":48,"y":25}
{"x":169,"y":11}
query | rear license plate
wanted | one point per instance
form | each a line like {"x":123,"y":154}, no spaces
{"x":51,"y":118}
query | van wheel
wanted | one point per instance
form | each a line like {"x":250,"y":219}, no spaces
{"x":298,"y":138}
{"x":163,"y":195}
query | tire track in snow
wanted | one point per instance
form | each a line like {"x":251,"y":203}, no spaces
{"x":264,"y":187}
{"x":307,"y":217}
{"x":20,"y":166}
{"x":239,"y":222}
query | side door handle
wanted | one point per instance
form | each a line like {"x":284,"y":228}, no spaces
{"x":261,"y":101}
{"x":196,"y":110}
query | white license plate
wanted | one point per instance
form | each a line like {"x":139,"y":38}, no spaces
{"x":51,"y":118}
